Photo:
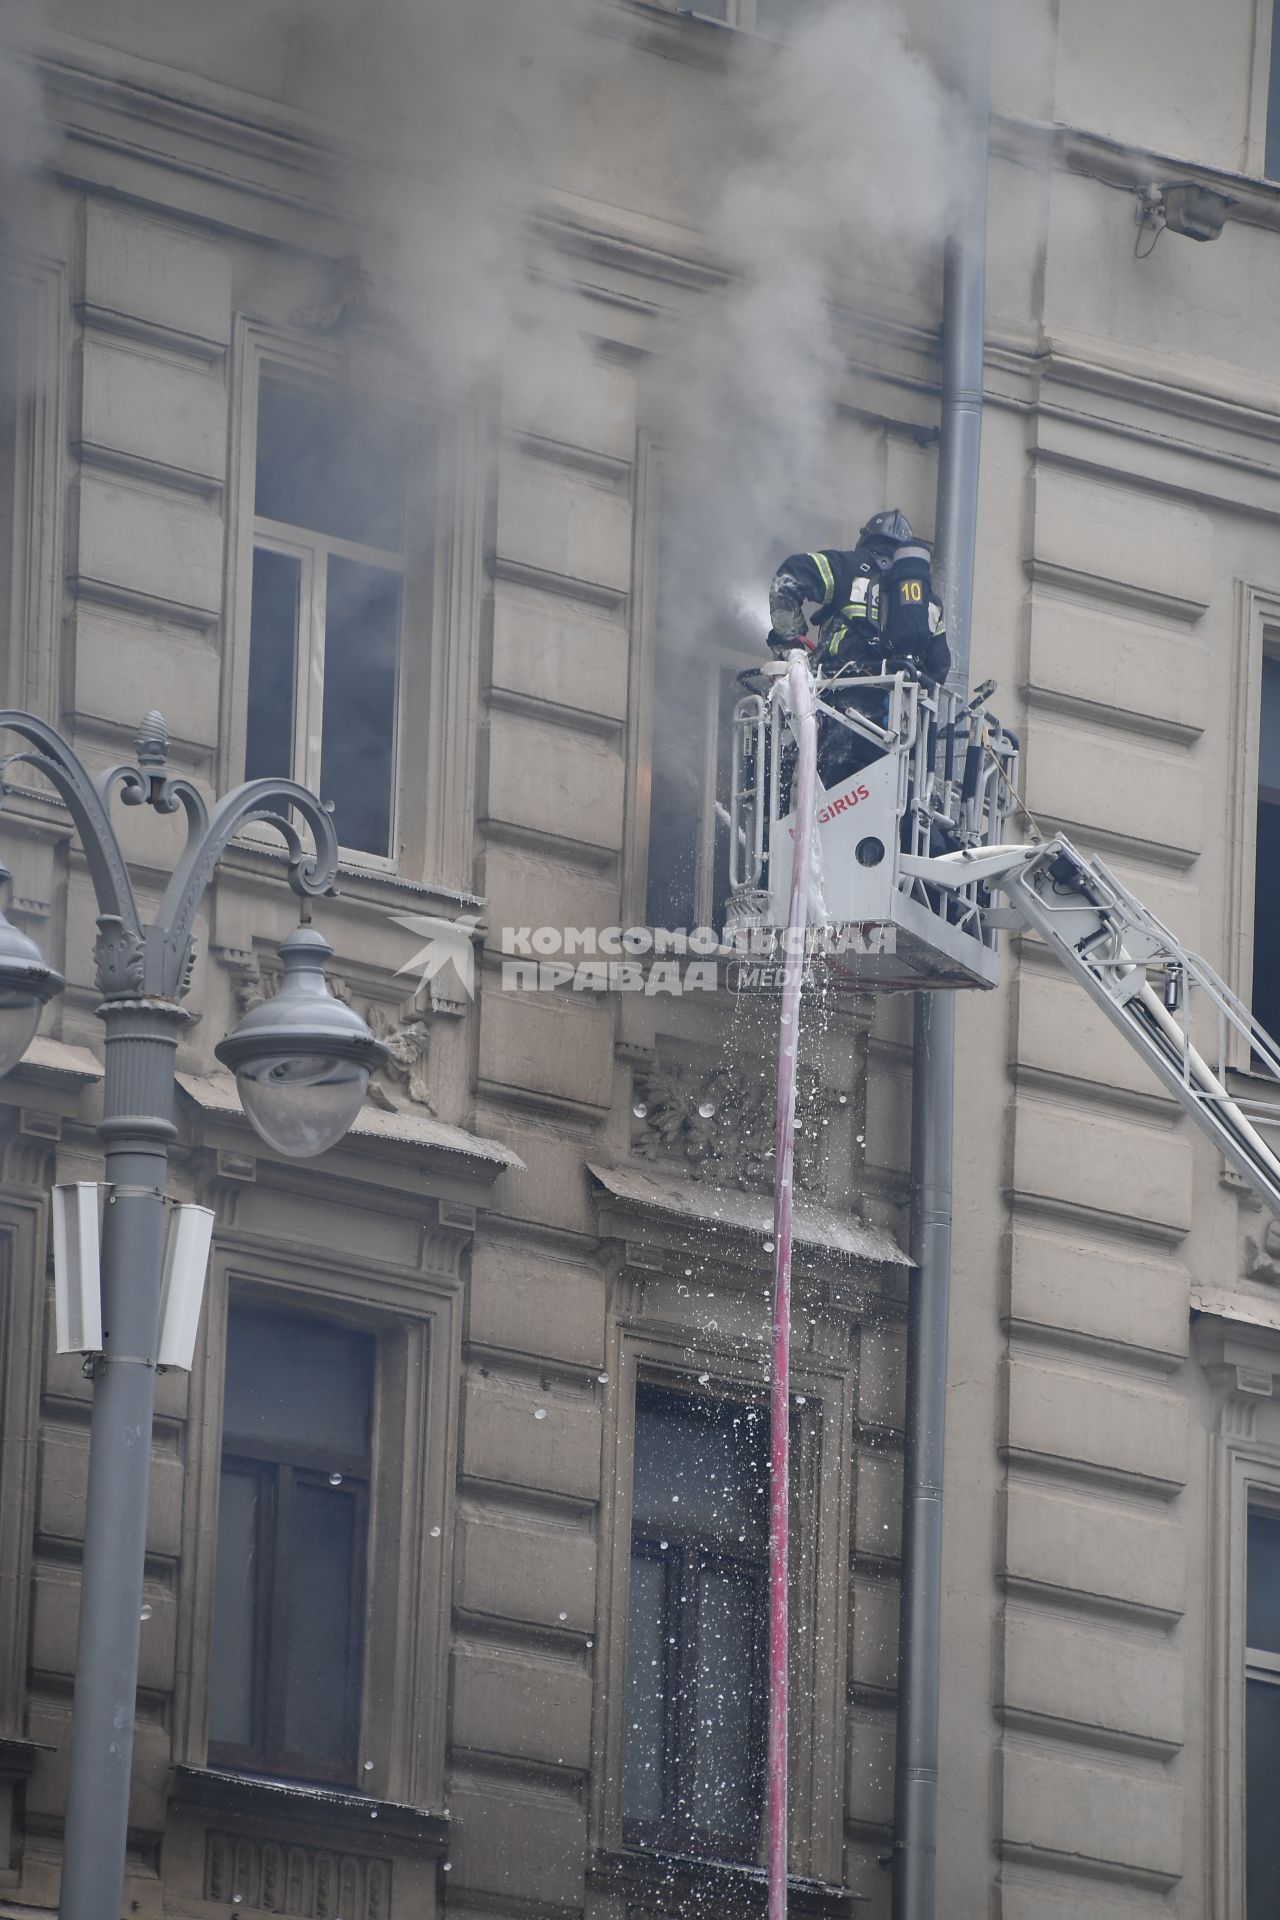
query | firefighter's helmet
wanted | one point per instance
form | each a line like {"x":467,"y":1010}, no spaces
{"x":888,"y":529}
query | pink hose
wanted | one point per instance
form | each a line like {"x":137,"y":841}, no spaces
{"x":805,"y":726}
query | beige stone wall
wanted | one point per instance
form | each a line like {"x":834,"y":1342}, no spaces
{"x":1099,"y":1456}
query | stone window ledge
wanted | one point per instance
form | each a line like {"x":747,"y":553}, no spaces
{"x":284,"y":1806}
{"x":689,"y":1889}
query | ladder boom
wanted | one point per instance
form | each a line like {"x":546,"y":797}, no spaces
{"x":1111,"y":944}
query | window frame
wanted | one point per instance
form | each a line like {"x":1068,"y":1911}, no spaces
{"x":1256,"y":1665}
{"x":1259,"y":638}
{"x":442,"y":597}
{"x":1254,"y":157}
{"x":34,"y":546}
{"x":741,"y":16}
{"x":279,"y":1469}
{"x":415,"y":1317}
{"x":669,"y":1353}
{"x":1241,"y":1362}
{"x":313,"y":552}
{"x":696,"y":1553}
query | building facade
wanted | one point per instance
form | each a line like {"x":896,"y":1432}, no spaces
{"x":454,"y":1586}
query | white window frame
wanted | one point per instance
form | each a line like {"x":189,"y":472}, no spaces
{"x":442,"y":608}
{"x":313,"y":552}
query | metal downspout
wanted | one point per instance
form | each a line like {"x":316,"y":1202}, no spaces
{"x":919,"y":1641}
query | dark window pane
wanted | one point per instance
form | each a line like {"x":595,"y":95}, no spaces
{"x":297,"y":1384}
{"x":677,"y":775}
{"x":320,"y":1686}
{"x":726,"y":1786}
{"x":1262,"y":1795}
{"x":1266,"y":921}
{"x":701,"y":1465}
{"x":646,"y":1690}
{"x":357,"y":748}
{"x":1272,"y":161}
{"x":331,"y":463}
{"x":273,"y":642}
{"x":1266,"y":906}
{"x":1263,"y":1625}
{"x":235,"y":1611}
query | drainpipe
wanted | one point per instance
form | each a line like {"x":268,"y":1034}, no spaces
{"x":915,"y":1823}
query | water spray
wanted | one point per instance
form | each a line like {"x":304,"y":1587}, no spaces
{"x":805,"y":727}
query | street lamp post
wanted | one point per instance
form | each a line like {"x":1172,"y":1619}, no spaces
{"x":303,"y":1065}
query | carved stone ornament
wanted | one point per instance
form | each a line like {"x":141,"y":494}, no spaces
{"x":118,"y":954}
{"x":1262,"y":1252}
{"x":408,"y":1035}
{"x":319,"y":1883}
{"x":719,"y":1126}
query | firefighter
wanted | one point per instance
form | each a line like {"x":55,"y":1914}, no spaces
{"x":875,"y":610}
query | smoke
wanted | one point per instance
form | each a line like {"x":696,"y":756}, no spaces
{"x":26,"y":141}
{"x":820,"y":173}
{"x":461,"y":108}
{"x":834,"y":182}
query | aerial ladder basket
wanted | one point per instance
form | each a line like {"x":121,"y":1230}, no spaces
{"x":934,"y":775}
{"x":915,"y":881}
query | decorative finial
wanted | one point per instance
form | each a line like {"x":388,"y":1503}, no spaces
{"x":153,"y":743}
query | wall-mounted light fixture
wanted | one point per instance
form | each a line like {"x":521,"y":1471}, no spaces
{"x":1183,"y":206}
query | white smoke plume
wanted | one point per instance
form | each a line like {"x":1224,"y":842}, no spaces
{"x":822,"y":167}
{"x":835,"y":180}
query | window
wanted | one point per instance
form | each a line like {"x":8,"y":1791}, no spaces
{"x":772,"y":17}
{"x":1262,"y":1716}
{"x":288,"y":1609}
{"x":1266,"y":896}
{"x":1271,"y":162}
{"x":695,"y":694}
{"x":8,"y":463}
{"x":696,"y":1626}
{"x":327,"y":599}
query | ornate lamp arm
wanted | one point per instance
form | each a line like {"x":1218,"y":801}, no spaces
{"x":87,"y":805}
{"x":156,"y":960}
{"x":310,"y":874}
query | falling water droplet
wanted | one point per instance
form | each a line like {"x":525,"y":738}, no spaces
{"x":373,"y":1813}
{"x":706,"y":1110}
{"x":768,"y":1246}
{"x":368,"y":1766}
{"x":146,"y":1612}
{"x":662,"y":1546}
{"x":640,"y":1110}
{"x":843,"y":1100}
{"x":603,"y":1378}
{"x":800,"y":1400}
{"x":688,"y":1273}
{"x":703,"y":1379}
{"x":564,"y":1616}
{"x":446,"y":1866}
{"x":539,"y":1413}
{"x":335,"y":1479}
{"x":435,"y":1533}
{"x":591,"y":1643}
